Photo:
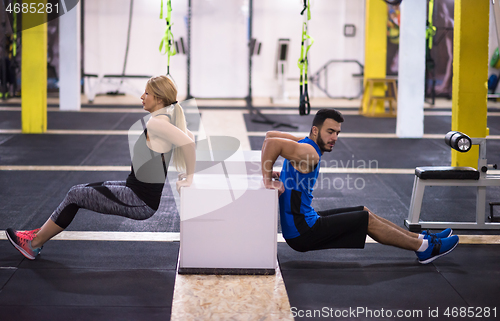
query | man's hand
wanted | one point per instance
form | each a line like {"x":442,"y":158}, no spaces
{"x":277,"y":185}
{"x":275,"y":175}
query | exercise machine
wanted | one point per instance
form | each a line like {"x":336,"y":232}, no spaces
{"x":454,"y":176}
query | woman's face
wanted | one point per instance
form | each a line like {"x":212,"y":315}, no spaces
{"x":149,"y":101}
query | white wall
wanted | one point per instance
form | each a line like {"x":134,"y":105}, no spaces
{"x":219,"y":56}
{"x":219,"y":43}
{"x":281,"y":19}
{"x":106,"y":25}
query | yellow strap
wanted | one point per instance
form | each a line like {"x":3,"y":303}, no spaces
{"x":167,"y":42}
{"x":431,"y":30}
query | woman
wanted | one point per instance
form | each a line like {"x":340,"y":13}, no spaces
{"x":139,"y":196}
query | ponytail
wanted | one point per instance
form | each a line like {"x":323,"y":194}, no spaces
{"x":179,"y":120}
{"x":163,"y":88}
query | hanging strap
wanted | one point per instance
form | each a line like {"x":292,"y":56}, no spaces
{"x":305,"y":106}
{"x":431,"y":29}
{"x":14,"y":32}
{"x":167,"y":42}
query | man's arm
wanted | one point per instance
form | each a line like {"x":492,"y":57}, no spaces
{"x":278,"y":134}
{"x":302,"y":156}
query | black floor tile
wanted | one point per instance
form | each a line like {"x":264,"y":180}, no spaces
{"x":381,"y":153}
{"x":352,"y":185}
{"x":109,"y":151}
{"x":437,"y":124}
{"x":369,"y":289}
{"x":89,"y":121}
{"x":493,"y":151}
{"x":374,"y":257}
{"x":471,"y":257}
{"x":9,"y":256}
{"x":92,"y":280}
{"x":402,"y":185}
{"x":353,"y":124}
{"x":5,"y":274}
{"x":473,"y":271}
{"x":389,"y":153}
{"x":120,"y":255}
{"x":10,"y":119}
{"x":89,"y":280}
{"x":29,"y":198}
{"x":303,"y":123}
{"x":31,"y":149}
{"x":478,"y":288}
{"x":86,"y":313}
{"x":389,"y":278}
{"x":90,"y":287}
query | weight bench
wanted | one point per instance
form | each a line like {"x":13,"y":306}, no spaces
{"x":454,"y":176}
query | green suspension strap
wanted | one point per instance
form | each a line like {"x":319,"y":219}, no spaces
{"x":305,"y":106}
{"x":14,"y":33}
{"x":431,"y":29}
{"x":167,"y":41}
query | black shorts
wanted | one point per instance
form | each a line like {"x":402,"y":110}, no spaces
{"x":339,"y":228}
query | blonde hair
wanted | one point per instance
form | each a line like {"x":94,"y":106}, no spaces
{"x":163,"y":88}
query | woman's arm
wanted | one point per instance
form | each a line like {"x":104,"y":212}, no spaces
{"x":162,"y":128}
{"x":189,"y":153}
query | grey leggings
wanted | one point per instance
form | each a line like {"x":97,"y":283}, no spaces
{"x":111,"y":197}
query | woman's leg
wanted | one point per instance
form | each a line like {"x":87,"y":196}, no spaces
{"x":46,"y":232}
{"x":107,"y":198}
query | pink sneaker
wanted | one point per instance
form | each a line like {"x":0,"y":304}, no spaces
{"x":22,"y":241}
{"x":29,"y":232}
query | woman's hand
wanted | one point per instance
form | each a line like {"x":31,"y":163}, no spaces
{"x":184,"y":181}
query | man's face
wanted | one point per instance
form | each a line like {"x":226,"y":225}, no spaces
{"x":328,"y":135}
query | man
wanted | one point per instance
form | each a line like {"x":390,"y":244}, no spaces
{"x":303,"y":228}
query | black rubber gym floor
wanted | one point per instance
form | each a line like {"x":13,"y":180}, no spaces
{"x":379,"y":282}
{"x":98,"y":280}
{"x":89,"y":280}
{"x":359,"y":124}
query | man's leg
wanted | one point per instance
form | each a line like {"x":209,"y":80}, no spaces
{"x":391,"y":234}
{"x":383,"y":220}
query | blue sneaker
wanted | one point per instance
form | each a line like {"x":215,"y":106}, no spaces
{"x":444,"y":234}
{"x":437,"y":248}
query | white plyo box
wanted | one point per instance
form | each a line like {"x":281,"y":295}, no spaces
{"x":228,"y":222}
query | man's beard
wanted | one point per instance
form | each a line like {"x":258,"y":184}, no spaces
{"x":322,"y":144}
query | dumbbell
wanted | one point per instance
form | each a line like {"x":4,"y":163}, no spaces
{"x":458,"y":141}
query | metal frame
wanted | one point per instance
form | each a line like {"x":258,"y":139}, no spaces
{"x":316,"y":77}
{"x":413,"y":222}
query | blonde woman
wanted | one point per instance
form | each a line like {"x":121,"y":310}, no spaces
{"x":139,"y":196}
